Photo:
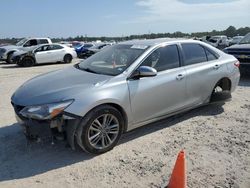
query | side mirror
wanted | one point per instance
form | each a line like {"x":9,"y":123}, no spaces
{"x":144,"y":71}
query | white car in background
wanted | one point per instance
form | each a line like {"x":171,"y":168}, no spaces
{"x":6,"y":51}
{"x":46,"y":53}
{"x":218,"y":41}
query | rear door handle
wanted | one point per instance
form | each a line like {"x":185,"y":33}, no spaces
{"x":216,"y":66}
{"x":180,"y":77}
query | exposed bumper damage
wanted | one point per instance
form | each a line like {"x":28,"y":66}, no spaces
{"x":62,"y":127}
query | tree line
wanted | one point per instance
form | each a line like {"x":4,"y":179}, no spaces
{"x":230,"y":32}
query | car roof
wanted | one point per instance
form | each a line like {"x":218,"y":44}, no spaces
{"x":153,"y":42}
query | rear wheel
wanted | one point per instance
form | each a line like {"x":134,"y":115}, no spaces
{"x":26,"y":62}
{"x":100,"y":130}
{"x":67,"y":58}
{"x":221,"y":91}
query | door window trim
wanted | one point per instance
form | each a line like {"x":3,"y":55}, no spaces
{"x":156,"y":48}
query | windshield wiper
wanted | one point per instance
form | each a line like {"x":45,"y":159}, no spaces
{"x":89,"y":70}
{"x":86,"y":69}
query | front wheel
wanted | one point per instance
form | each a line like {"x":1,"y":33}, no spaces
{"x":100,"y":130}
{"x":26,"y":62}
{"x":9,"y":58}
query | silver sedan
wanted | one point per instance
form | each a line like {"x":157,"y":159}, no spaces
{"x":125,"y":86}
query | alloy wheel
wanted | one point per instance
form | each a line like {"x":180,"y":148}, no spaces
{"x":103,"y":131}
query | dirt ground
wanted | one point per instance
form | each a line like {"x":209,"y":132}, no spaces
{"x":216,"y":139}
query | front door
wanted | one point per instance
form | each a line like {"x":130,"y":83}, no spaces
{"x":157,"y":96}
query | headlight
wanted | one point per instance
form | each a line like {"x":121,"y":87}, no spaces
{"x":44,"y":112}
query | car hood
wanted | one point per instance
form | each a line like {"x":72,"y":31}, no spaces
{"x":10,"y":47}
{"x":239,"y":46}
{"x":57,"y":86}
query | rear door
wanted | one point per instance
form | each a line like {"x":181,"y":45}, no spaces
{"x":203,"y":71}
{"x":157,"y":96}
{"x":57,"y":52}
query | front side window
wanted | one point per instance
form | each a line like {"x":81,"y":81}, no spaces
{"x":163,"y":58}
{"x":32,"y":42}
{"x":42,"y":48}
{"x":112,"y":60}
{"x":193,"y":53}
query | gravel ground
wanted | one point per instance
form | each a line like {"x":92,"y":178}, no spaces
{"x":216,"y":140}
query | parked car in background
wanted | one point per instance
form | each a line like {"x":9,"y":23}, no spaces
{"x":242,"y":52}
{"x":122,"y":87}
{"x":235,"y":40}
{"x":26,"y":43}
{"x":219,"y":41}
{"x":87,"y":52}
{"x":46,"y":53}
{"x":81,"y":49}
{"x":66,"y":43}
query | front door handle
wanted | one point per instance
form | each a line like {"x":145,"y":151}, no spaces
{"x":180,"y":77}
{"x":216,"y":66}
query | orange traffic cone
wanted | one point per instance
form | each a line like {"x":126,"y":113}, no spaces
{"x":178,"y":178}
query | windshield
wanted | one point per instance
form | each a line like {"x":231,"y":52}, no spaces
{"x":112,"y":60}
{"x":21,"y":42}
{"x":246,"y":39}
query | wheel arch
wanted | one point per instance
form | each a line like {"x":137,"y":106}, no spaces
{"x":225,"y":83}
{"x":119,"y":108}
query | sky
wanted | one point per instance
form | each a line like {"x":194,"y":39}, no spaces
{"x":64,"y":18}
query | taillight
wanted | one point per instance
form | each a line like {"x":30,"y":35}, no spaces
{"x":237,"y":64}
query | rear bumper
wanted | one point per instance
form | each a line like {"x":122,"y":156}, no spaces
{"x":235,"y":78}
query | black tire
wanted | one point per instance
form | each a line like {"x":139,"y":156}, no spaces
{"x":9,"y":56}
{"x":67,"y":58}
{"x":84,"y":129}
{"x":26,"y":62}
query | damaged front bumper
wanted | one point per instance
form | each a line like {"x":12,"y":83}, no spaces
{"x":61,"y":127}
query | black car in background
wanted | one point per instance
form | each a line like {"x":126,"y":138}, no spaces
{"x":242,"y":52}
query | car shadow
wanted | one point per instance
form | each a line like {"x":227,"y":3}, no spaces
{"x":18,"y":159}
{"x":21,"y":160}
{"x":207,"y":110}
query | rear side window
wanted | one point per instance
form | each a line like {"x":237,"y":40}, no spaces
{"x":163,"y":58}
{"x":43,"y":41}
{"x":193,"y":53}
{"x":210,"y":55}
{"x":55,"y":47}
